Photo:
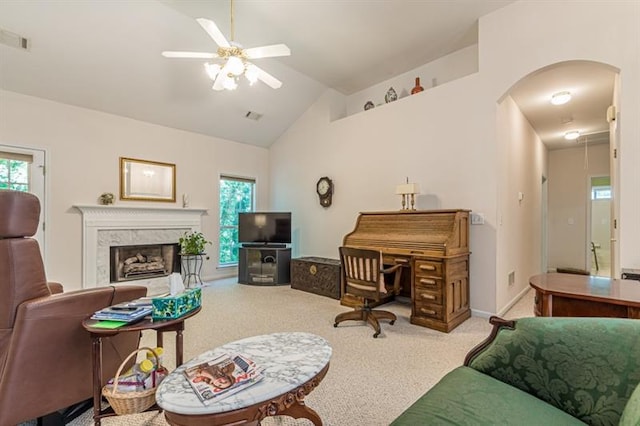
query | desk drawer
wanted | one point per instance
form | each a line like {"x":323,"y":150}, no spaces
{"x":428,"y":283}
{"x":426,"y":296}
{"x":428,"y":268}
{"x":427,"y":310}
{"x":391,"y":260}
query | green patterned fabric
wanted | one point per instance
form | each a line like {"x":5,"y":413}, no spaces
{"x":631,"y":414}
{"x":466,"y":397}
{"x":587,"y":367}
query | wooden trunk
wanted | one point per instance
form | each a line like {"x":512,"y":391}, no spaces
{"x":316,"y":275}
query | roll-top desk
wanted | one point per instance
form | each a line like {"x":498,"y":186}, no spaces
{"x":434,"y":247}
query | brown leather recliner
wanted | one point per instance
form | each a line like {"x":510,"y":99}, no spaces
{"x":45,"y":354}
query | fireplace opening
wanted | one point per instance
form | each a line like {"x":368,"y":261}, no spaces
{"x":143,"y":261}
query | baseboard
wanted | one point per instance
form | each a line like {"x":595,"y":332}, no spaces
{"x":481,"y":314}
{"x":501,"y":312}
{"x":515,"y":300}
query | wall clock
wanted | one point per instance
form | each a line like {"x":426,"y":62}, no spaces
{"x":324,"y":188}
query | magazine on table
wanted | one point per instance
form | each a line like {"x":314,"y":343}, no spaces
{"x":122,"y":313}
{"x":222,"y":376}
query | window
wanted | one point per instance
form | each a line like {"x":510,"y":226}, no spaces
{"x":14,"y":171}
{"x":236,"y":195}
{"x":601,"y":193}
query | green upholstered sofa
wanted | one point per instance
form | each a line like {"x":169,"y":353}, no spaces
{"x":541,"y":371}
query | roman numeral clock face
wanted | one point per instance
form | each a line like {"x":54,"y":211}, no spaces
{"x":324,"y":188}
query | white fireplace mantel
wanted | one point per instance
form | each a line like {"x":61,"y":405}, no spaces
{"x":100,"y":224}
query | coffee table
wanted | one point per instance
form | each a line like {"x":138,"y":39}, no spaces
{"x":294,"y":364}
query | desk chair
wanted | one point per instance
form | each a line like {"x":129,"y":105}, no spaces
{"x":363,"y":276}
{"x":45,"y":354}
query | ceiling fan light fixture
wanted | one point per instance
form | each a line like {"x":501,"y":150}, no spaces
{"x":233,"y":58}
{"x":251,"y":74}
{"x":212,"y":70}
{"x":235,"y":65}
{"x":561,"y":98}
{"x":229,"y":83}
{"x":572,"y":135}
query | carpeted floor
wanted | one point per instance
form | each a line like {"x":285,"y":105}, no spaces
{"x":370,"y":381}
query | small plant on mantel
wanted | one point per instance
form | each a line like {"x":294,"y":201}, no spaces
{"x":192,"y":243}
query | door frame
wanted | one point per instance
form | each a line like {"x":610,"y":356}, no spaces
{"x":38,"y":185}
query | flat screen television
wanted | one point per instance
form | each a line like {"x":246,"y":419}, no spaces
{"x":264,"y":227}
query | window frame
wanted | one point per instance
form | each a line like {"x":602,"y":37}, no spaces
{"x":222,"y":228}
{"x":21,"y":158}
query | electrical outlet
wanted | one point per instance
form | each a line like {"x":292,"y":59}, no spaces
{"x":477,"y":219}
{"x":512,"y":278}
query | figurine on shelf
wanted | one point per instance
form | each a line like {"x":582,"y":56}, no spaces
{"x":106,"y":198}
{"x":368,"y":105}
{"x":417,"y":88}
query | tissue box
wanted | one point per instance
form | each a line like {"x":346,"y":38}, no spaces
{"x":171,"y":307}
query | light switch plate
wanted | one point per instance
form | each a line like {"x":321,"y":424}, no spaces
{"x":477,"y":219}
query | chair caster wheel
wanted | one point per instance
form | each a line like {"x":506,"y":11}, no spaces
{"x":375,"y":336}
{"x":391,"y":322}
{"x":335,"y":325}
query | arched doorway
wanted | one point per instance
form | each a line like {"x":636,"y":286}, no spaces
{"x":566,"y":190}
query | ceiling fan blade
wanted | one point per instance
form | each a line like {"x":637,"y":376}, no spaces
{"x":267,"y":51}
{"x":214,"y":32}
{"x":268,"y":79}
{"x":192,"y":55}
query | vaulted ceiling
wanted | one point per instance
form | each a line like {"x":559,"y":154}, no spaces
{"x":105,"y":55}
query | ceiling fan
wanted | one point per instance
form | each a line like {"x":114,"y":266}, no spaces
{"x":233,"y":59}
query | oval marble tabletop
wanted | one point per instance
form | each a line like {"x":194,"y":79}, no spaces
{"x":288,"y":360}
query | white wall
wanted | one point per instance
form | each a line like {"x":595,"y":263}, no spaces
{"x":367,"y":154}
{"x":569,"y":200}
{"x":446,"y":138}
{"x":522,"y":163}
{"x":84,"y":146}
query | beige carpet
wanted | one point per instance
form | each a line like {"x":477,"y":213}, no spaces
{"x":370,"y":381}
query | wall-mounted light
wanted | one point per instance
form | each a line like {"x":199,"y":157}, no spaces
{"x":560,"y":98}
{"x":572,"y":135}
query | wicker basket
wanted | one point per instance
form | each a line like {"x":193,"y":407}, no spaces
{"x":130,"y":402}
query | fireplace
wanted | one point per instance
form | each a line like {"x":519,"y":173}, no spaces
{"x":136,"y":262}
{"x":114,"y":225}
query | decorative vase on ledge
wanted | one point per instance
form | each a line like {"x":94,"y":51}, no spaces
{"x":391,"y":95}
{"x":417,"y":88}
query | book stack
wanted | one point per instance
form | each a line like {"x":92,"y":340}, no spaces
{"x":222,"y":376}
{"x":124,"y":312}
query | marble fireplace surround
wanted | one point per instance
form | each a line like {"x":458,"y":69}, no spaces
{"x":104,"y":226}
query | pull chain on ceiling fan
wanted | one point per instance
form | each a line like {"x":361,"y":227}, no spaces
{"x":234,"y":60}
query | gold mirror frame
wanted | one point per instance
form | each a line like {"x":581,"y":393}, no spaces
{"x":144,"y":180}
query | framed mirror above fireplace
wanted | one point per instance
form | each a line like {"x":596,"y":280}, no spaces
{"x":145,"y":180}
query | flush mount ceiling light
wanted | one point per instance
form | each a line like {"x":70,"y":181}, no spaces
{"x":572,"y":135}
{"x":560,"y":98}
{"x":233,"y":60}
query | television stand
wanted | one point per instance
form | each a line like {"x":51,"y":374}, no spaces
{"x":264,"y":245}
{"x":264,"y":264}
